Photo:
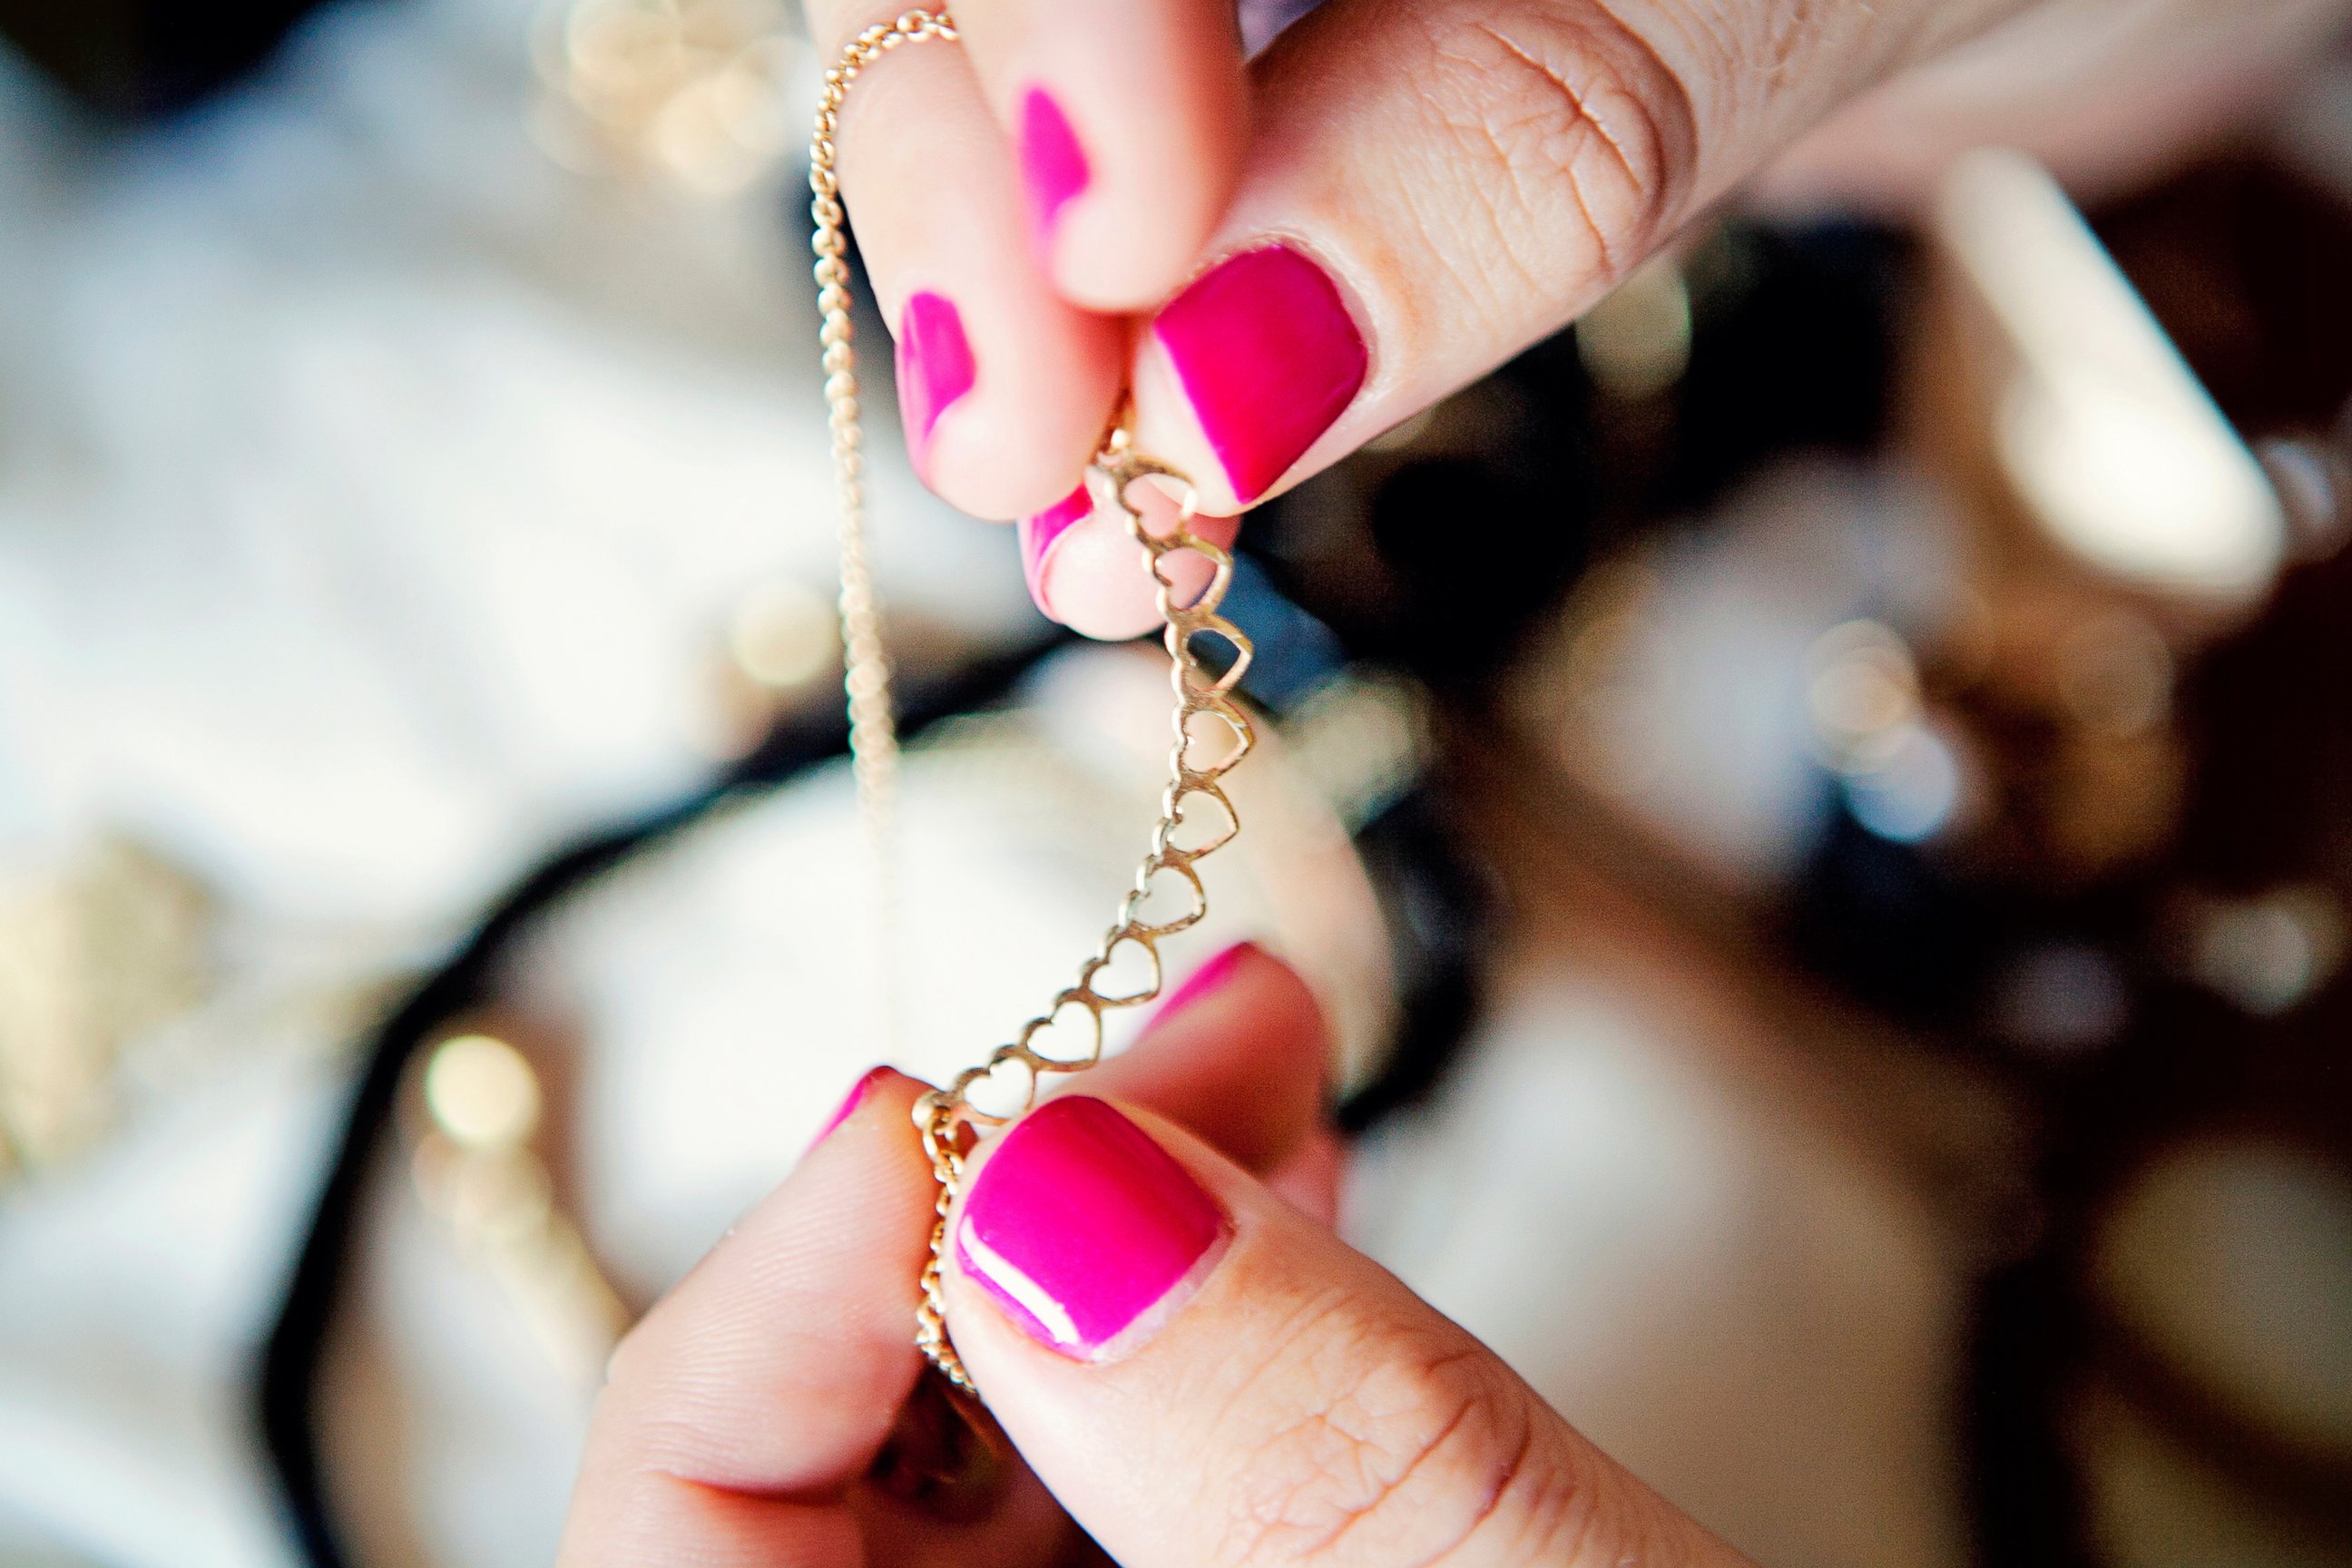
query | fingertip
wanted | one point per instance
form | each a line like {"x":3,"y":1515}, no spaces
{"x":1083,"y":1227}
{"x":1007,"y":415}
{"x":1003,"y":387}
{"x":1239,"y":1053}
{"x":1213,"y":979}
{"x":1040,"y":535}
{"x":1118,"y":244}
{"x":1247,"y":370}
{"x":1055,"y":169}
{"x":1310,"y":1179}
{"x":1246,"y":1002}
{"x":884,"y":1084}
{"x":1085,"y":569}
{"x":773,"y":1366}
{"x":1128,"y":125}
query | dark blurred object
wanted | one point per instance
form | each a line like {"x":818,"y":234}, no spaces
{"x":134,"y":59}
{"x":2126,"y":902}
{"x":1793,"y":335}
{"x":2272,"y":718}
{"x":2114,"y":531}
{"x":2165,"y":1373}
{"x":2244,"y":261}
{"x":1444,"y":543}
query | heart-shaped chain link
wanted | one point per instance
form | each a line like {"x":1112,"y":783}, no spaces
{"x":1125,"y":969}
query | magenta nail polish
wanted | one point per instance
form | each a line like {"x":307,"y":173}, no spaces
{"x":1053,"y":164}
{"x":849,"y":1103}
{"x":1268,"y":356}
{"x":935,"y":368}
{"x":1085,"y":1231}
{"x":1209,"y":978}
{"x":1040,"y":534}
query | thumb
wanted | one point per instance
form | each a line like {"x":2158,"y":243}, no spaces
{"x":1202,"y":1374}
{"x":1431,"y":188}
{"x":1428,"y":190}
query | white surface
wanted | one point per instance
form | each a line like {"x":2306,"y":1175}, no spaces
{"x":131,"y":1295}
{"x":372,"y":496}
{"x":375,"y":492}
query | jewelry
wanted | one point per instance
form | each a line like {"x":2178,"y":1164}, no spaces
{"x":1011,"y":1074}
{"x":477,"y":1169}
{"x":103,"y":966}
{"x":690,"y":93}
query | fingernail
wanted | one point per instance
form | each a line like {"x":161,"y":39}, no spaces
{"x":935,"y":368}
{"x":1040,"y":534}
{"x":1085,"y":1231}
{"x":1053,"y":165}
{"x":1208,"y":979}
{"x":849,"y":1103}
{"x":1267,"y":354}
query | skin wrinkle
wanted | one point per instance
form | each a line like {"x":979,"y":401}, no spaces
{"x":1581,"y":107}
{"x":1564,"y":1517}
{"x":1372,"y":1426}
{"x":1297,"y":1327}
{"x":1786,"y":38}
{"x":1387,"y":1490}
{"x":1508,"y":1477}
{"x":696,"y":1486}
{"x":1497,"y":237}
{"x":1711,"y":48}
{"x":677,"y":1448}
{"x":1446,"y":225}
{"x":1363,"y":1427}
{"x":1305,"y":1338}
{"x":1543,"y":132}
{"x":1293,"y":1348}
{"x":1509,"y":273}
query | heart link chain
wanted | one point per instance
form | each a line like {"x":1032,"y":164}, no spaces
{"x":1212,"y":731}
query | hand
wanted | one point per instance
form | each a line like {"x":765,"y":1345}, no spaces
{"x":1191,"y":1367}
{"x":1393,"y":198}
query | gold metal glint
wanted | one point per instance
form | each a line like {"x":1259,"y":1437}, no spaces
{"x":1196,"y":762}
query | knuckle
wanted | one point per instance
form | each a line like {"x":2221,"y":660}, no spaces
{"x":1572,"y":127}
{"x":1402,"y":1442}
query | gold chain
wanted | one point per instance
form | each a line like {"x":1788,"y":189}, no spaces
{"x":1195,"y":762}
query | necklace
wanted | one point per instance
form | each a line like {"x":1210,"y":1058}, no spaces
{"x":1196,"y":818}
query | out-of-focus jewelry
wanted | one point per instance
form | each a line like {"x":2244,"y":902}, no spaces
{"x":103,"y":960}
{"x":477,"y":1169}
{"x":1196,"y":818}
{"x":691,"y":94}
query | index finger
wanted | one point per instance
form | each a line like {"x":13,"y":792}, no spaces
{"x":764,"y":1384}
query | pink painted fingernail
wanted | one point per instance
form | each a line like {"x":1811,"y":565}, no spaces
{"x":1040,"y":534}
{"x":1268,"y":356}
{"x":1085,"y":1231}
{"x":1053,"y":165}
{"x":849,"y":1103}
{"x":935,"y":368}
{"x":1209,"y":978}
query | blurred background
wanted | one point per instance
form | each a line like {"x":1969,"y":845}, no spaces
{"x":1834,"y":915}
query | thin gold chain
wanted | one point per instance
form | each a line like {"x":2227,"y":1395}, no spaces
{"x":1068,"y":1036}
{"x":865,"y":660}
